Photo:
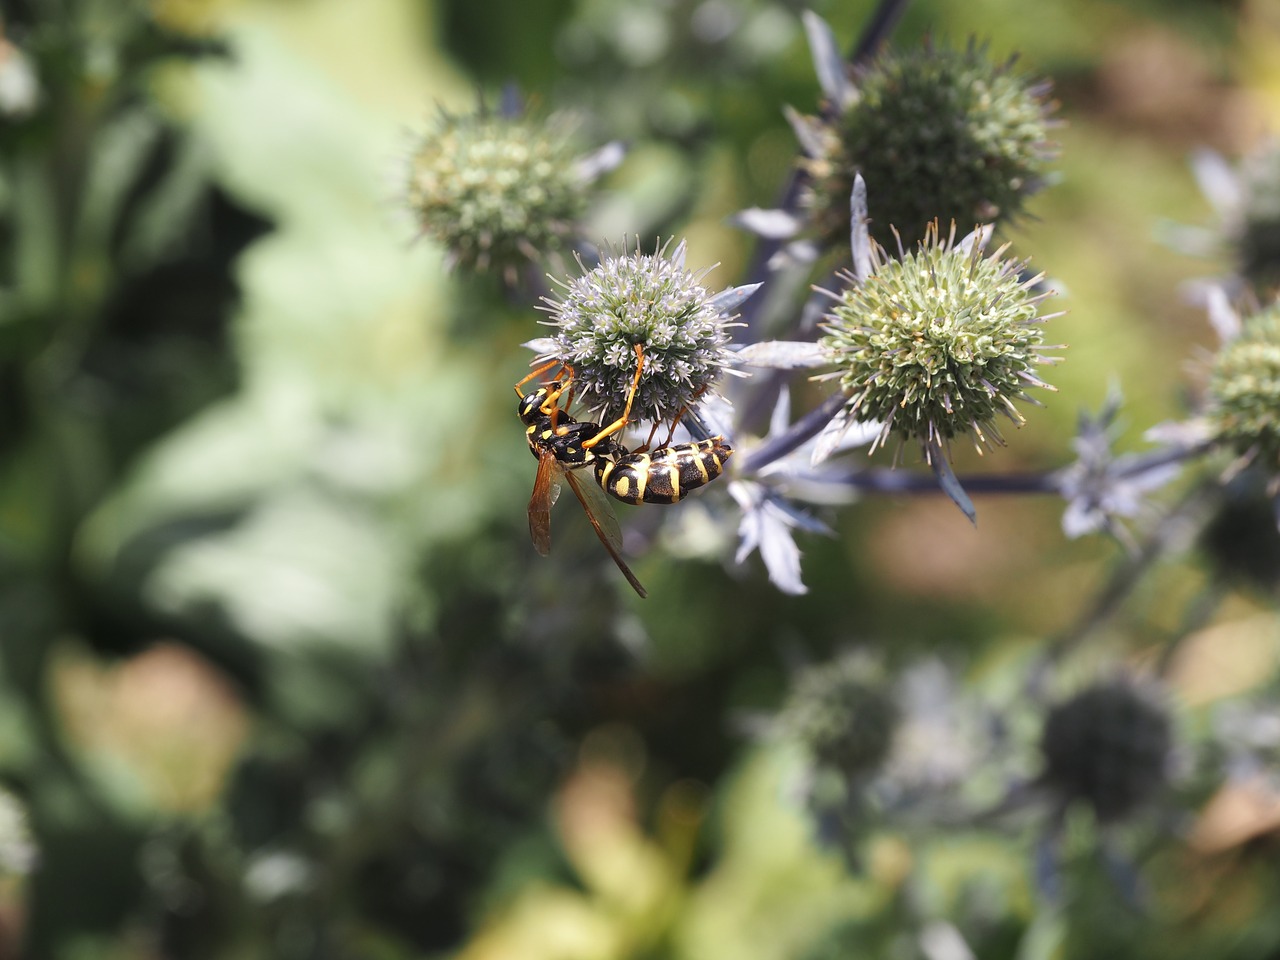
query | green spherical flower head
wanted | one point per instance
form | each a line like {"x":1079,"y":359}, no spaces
{"x":496,"y":191}
{"x":1244,"y":390}
{"x":936,"y":344}
{"x":937,"y":134}
{"x":1108,"y":746}
{"x":843,"y":715}
{"x":654,"y":302}
{"x":1241,"y":538}
{"x":1259,"y":242}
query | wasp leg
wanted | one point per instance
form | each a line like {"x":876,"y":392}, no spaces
{"x":560,"y":408}
{"x":623,"y":420}
{"x":648,"y":441}
{"x":541,"y":370}
{"x":680,"y":413}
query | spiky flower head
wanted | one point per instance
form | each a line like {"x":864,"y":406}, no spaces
{"x":498,"y":191}
{"x":655,"y":302}
{"x":937,"y":133}
{"x":1108,"y":746}
{"x":1259,"y":239}
{"x":1241,"y":539}
{"x":1244,"y":390}
{"x":844,"y":715}
{"x":937,"y":343}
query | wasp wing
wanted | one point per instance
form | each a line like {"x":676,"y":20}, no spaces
{"x":603,"y":521}
{"x":546,"y":489}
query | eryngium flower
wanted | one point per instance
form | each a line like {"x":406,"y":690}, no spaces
{"x":1259,"y":238}
{"x":1241,"y":538}
{"x":497,"y":191}
{"x":1244,"y":390}
{"x":936,"y":344}
{"x":653,"y":301}
{"x":843,"y":714}
{"x":937,"y":134}
{"x":1108,"y":746}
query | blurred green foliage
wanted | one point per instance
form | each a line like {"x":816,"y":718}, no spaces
{"x":279,"y":672}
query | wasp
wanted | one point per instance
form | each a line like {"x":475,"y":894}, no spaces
{"x":565,"y":445}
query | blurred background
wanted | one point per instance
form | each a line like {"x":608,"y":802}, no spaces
{"x":280,"y":673}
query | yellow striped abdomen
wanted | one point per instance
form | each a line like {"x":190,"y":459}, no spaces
{"x":666,"y":474}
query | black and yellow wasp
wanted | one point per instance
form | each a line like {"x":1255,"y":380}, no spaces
{"x":564,"y":445}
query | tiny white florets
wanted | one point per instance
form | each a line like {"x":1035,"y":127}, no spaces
{"x":652,"y":301}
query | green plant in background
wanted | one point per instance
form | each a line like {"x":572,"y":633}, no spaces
{"x":279,"y":675}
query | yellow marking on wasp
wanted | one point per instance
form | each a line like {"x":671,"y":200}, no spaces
{"x":642,"y":481}
{"x":623,"y":487}
{"x":702,"y":469}
{"x":674,"y":472}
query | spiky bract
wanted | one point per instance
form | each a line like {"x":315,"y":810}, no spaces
{"x":937,"y":133}
{"x":936,"y":344}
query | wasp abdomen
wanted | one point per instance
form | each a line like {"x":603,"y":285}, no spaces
{"x":665,"y":475}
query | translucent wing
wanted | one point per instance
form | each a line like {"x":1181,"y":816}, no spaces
{"x":546,"y":488}
{"x":603,"y":521}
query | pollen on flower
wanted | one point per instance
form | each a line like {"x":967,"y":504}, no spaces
{"x":937,"y":133}
{"x":652,"y":301}
{"x":1244,"y":390}
{"x":497,"y":191}
{"x":937,"y":344}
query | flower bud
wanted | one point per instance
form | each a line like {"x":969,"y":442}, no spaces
{"x":1108,"y":746}
{"x":843,"y":713}
{"x":497,"y":192}
{"x":937,"y":134}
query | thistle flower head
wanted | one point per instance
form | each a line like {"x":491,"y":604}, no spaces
{"x":843,"y":713}
{"x":937,"y":133}
{"x":497,"y":191}
{"x":1242,"y":539}
{"x":649,"y":300}
{"x":934,"y":345}
{"x":1259,"y":237}
{"x":1244,"y":390}
{"x":1107,"y":746}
